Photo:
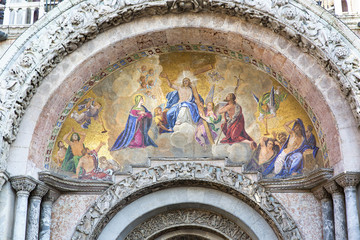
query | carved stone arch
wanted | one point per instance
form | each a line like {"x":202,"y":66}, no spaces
{"x":66,"y":28}
{"x":141,"y":184}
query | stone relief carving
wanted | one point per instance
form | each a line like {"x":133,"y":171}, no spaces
{"x":23,"y":184}
{"x":118,"y":195}
{"x":188,"y":217}
{"x":84,"y":21}
{"x":348,"y":179}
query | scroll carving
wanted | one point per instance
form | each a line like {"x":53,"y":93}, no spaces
{"x":188,"y":217}
{"x":97,"y":216}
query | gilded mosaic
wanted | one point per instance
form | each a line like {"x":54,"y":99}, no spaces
{"x":165,"y":103}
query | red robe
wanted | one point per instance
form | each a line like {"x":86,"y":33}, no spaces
{"x":234,"y":129}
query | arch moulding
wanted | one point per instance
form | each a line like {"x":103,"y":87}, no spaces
{"x":44,"y":45}
{"x":155,"y":179}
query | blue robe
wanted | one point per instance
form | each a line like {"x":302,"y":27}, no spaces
{"x":293,"y":160}
{"x":174,"y":108}
{"x":127,"y":135}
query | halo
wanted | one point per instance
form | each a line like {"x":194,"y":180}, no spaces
{"x":186,"y":74}
{"x":139,"y":94}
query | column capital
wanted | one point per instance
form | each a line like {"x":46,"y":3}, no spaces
{"x":348,"y":179}
{"x":51,"y":195}
{"x":320,"y":193}
{"x":40,"y":190}
{"x":332,"y":187}
{"x":23,"y":183}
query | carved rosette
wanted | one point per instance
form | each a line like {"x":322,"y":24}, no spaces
{"x":185,"y":218}
{"x":68,"y":30}
{"x":351,"y":179}
{"x":118,"y":195}
{"x":333,"y":188}
{"x":23,"y":184}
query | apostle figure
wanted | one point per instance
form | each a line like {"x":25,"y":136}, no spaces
{"x":289,"y":161}
{"x":88,"y":167}
{"x":74,"y":151}
{"x":234,"y":126}
{"x":135,"y":134}
{"x":261,"y":158}
{"x":182,"y":103}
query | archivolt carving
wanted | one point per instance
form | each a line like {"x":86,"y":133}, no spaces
{"x":67,"y":30}
{"x":188,"y":217}
{"x":152,"y":179}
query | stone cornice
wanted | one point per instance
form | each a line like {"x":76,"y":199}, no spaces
{"x":77,"y":186}
{"x":348,"y":179}
{"x":306,"y":182}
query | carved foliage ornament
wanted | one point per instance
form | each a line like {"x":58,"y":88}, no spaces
{"x":70,"y":29}
{"x":118,"y":195}
{"x":188,"y":217}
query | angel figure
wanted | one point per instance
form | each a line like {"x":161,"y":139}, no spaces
{"x":92,"y":110}
{"x":211,"y":118}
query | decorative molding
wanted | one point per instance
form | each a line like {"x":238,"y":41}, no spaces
{"x":37,"y":52}
{"x":179,"y":219}
{"x":177,"y":174}
{"x":305,"y":182}
{"x":23,"y":183}
{"x":75,"y":186}
{"x":348,"y":179}
{"x":333,"y":188}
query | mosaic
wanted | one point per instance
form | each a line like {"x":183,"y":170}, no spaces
{"x":186,"y":101}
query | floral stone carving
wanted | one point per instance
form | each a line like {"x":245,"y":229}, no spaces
{"x":120,"y":194}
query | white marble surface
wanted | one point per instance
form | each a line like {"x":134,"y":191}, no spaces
{"x":352,"y":213}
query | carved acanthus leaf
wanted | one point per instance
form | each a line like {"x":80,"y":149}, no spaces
{"x":95,"y":219}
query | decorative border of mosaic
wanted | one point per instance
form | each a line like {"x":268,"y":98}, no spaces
{"x":183,"y":48}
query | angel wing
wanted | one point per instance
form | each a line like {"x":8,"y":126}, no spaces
{"x":82,"y":105}
{"x":210,"y":96}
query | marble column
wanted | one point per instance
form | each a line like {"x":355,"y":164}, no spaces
{"x":32,"y":230}
{"x":339,"y":209}
{"x":23,"y":186}
{"x":327,"y":212}
{"x":349,"y":181}
{"x":45,"y":216}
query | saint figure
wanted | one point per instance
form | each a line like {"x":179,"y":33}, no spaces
{"x":234,"y":126}
{"x":135,"y":134}
{"x":289,"y":161}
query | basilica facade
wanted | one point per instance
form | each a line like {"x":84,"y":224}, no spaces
{"x":181,"y":119}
